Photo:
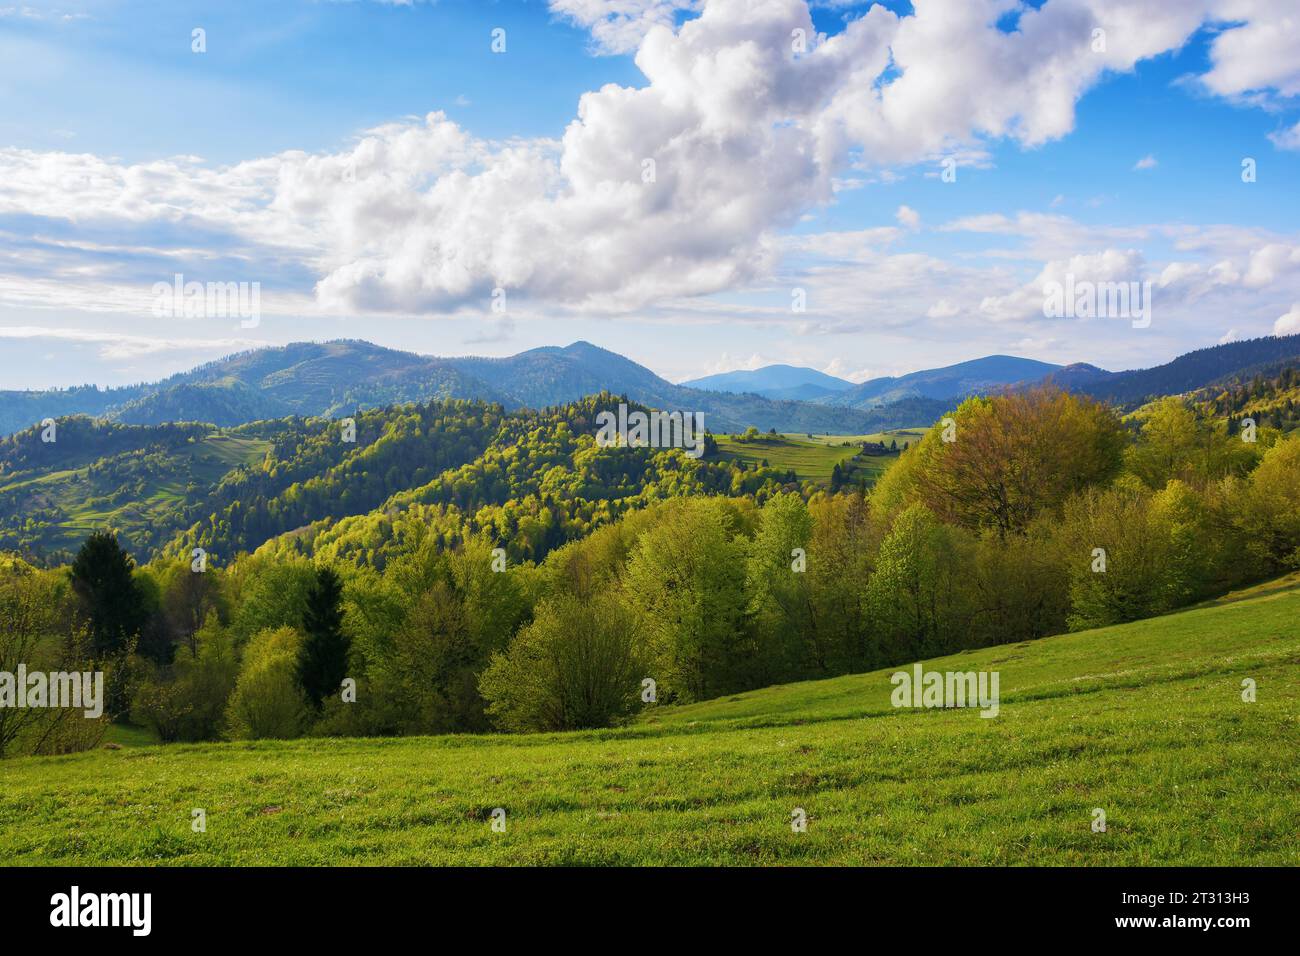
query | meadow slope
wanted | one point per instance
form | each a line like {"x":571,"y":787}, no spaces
{"x":1144,"y":720}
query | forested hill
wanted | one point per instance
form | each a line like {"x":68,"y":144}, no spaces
{"x":536,"y":477}
{"x":1194,"y":370}
{"x":339,"y":378}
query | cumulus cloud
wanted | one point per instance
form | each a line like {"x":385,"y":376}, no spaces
{"x":1027,"y":302}
{"x":1267,"y":264}
{"x":1258,"y":51}
{"x":726,"y":362}
{"x":677,"y":188}
{"x":1146,"y":162}
{"x":1287,"y":139}
{"x":909,"y":217}
{"x":619,"y":26}
{"x":1288,"y":324}
{"x":943,"y":309}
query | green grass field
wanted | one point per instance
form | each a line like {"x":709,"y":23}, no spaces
{"x":912,"y":435}
{"x":812,"y":458}
{"x":1144,"y":720}
{"x":72,"y":492}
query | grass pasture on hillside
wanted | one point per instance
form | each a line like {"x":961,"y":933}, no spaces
{"x":813,"y":458}
{"x":87,"y":501}
{"x":1145,"y":721}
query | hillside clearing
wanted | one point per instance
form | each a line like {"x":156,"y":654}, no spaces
{"x":1144,"y":720}
{"x":813,"y":458}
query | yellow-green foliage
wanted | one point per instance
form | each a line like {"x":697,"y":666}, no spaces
{"x":266,"y":701}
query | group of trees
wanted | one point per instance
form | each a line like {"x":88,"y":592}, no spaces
{"x":1266,"y":401}
{"x":1016,"y":517}
{"x":156,"y":633}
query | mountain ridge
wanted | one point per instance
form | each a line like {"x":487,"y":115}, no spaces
{"x":772,"y":381}
{"x":343,"y":376}
{"x":973,"y":376}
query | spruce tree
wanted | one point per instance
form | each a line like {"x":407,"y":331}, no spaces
{"x":323,"y":662}
{"x":110,"y":600}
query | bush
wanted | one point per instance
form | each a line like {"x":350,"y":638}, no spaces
{"x":914,"y":597}
{"x":578,"y":664}
{"x":1122,"y":522}
{"x":267,"y":701}
{"x":1268,"y":515}
{"x":187,"y":701}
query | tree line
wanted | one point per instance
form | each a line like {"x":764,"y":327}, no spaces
{"x":1015,"y":517}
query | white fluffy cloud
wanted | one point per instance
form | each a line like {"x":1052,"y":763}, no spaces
{"x":909,"y":217}
{"x":619,"y":26}
{"x":1026,"y":302}
{"x":677,"y":188}
{"x":1288,"y":324}
{"x":1287,"y":138}
{"x":1258,"y":51}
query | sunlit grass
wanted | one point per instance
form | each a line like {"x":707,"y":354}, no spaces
{"x":1145,"y":721}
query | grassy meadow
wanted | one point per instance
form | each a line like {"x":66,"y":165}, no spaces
{"x":86,"y":499}
{"x":812,"y":458}
{"x":1144,"y":720}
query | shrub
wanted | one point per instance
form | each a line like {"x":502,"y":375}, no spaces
{"x":187,"y":701}
{"x":267,"y":701}
{"x":1268,"y":515}
{"x":578,"y":664}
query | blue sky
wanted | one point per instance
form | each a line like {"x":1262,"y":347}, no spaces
{"x":380,"y":172}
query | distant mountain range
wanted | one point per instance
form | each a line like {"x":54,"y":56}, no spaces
{"x":975,"y":377}
{"x":336,"y":378}
{"x":774,"y":381}
{"x":1193,"y":370}
{"x":942,"y":384}
{"x":341,"y":377}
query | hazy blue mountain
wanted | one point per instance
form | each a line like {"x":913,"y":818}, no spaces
{"x":1077,"y":376}
{"x":343,"y":377}
{"x":553,"y":375}
{"x":228,"y":402}
{"x":1193,"y":370}
{"x":20,"y":409}
{"x":977,"y":376}
{"x":774,"y":381}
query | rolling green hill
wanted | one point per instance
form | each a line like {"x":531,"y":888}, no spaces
{"x":89,"y":503}
{"x":170,"y":488}
{"x":142,"y":484}
{"x":1145,"y":721}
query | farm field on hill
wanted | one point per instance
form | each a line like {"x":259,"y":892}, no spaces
{"x":1145,"y":721}
{"x":90,"y":499}
{"x":812,"y":459}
